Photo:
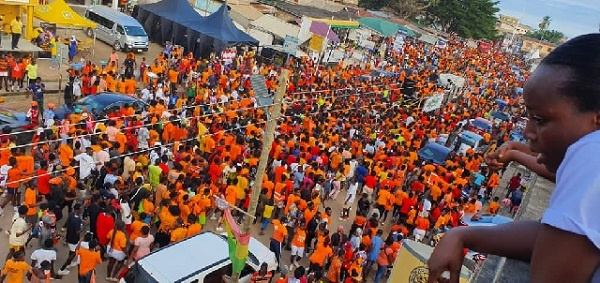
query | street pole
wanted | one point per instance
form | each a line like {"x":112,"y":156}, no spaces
{"x":264,"y":156}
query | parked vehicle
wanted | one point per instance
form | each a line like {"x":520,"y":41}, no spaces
{"x":201,"y":258}
{"x":117,"y":29}
{"x":435,"y":153}
{"x":497,"y":117}
{"x":468,"y":140}
{"x":16,"y":121}
{"x":478,"y":125}
{"x":102,"y":102}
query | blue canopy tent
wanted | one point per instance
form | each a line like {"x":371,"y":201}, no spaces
{"x":178,"y":22}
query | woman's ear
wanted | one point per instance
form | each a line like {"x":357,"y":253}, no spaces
{"x":597,"y":119}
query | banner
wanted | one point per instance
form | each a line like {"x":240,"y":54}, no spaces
{"x":433,"y":102}
{"x":316,"y":43}
{"x":290,"y":45}
{"x":398,"y":43}
{"x":304,"y":33}
{"x":237,"y":242}
{"x":411,"y":264}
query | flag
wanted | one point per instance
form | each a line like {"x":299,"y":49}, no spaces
{"x":238,"y":243}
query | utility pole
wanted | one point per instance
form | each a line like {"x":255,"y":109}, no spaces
{"x":264,"y":156}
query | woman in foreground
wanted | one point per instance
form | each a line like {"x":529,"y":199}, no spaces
{"x":562,"y":98}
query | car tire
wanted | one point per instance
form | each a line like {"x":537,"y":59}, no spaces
{"x":117,"y":46}
{"x":90,"y":32}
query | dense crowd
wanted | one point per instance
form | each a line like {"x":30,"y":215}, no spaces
{"x":137,"y":180}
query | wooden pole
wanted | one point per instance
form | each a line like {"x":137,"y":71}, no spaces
{"x":264,"y":156}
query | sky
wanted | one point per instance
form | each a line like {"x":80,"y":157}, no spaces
{"x":571,"y":17}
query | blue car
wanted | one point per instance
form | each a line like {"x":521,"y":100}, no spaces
{"x":16,"y":121}
{"x":435,"y":153}
{"x":102,"y":102}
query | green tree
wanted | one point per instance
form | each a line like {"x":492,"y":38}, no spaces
{"x":545,"y":23}
{"x":468,"y":18}
{"x":373,"y":4}
{"x":553,"y":36}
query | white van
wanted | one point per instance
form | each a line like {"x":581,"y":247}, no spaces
{"x":203,"y":258}
{"x":117,"y":29}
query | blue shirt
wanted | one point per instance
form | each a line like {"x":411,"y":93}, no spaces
{"x":38,"y":90}
{"x":375,"y":248}
{"x":361,"y":172}
{"x":478,"y":179}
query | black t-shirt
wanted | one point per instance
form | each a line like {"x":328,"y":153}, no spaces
{"x":73,"y":228}
{"x":93,"y":211}
{"x":129,"y":63}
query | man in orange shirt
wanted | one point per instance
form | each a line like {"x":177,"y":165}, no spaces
{"x":298,"y":243}
{"x":279,"y":234}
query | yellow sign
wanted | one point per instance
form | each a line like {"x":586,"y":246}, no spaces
{"x":316,"y":43}
{"x":411,"y":265}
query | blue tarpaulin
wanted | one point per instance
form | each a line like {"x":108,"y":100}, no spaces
{"x":178,"y":22}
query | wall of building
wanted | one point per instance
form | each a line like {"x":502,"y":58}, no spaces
{"x":533,"y":44}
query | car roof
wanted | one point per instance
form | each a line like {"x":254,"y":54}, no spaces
{"x":472,"y":135}
{"x":121,"y":18}
{"x":110,"y":97}
{"x":483,"y":120}
{"x":203,"y":250}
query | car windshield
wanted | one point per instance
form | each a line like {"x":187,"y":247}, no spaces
{"x":134,"y":31}
{"x":481,"y":125}
{"x":7,"y":113}
{"x":468,"y":141}
{"x":90,"y":103}
{"x":432,"y":154}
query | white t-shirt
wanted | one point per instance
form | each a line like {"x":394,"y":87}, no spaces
{"x":18,"y":226}
{"x":101,"y":156}
{"x":125,"y":213}
{"x":573,"y":206}
{"x":86,"y":165}
{"x":40,"y":255}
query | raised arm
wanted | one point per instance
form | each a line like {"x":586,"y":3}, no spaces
{"x":513,"y":240}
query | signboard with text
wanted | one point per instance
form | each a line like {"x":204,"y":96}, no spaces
{"x":290,"y":45}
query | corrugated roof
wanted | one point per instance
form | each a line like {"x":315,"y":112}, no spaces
{"x":275,"y":26}
{"x":247,"y":11}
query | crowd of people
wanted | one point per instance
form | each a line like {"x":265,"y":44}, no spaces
{"x":134,"y":181}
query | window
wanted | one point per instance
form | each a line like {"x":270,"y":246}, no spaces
{"x":99,"y":20}
{"x":217,"y":275}
{"x":120,"y":29}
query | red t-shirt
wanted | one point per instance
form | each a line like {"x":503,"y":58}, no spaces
{"x":43,"y":182}
{"x":104,"y":224}
{"x":370,"y":181}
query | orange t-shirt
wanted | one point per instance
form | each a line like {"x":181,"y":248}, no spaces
{"x":120,"y":241}
{"x":279,"y":231}
{"x":320,"y":254}
{"x":87,"y":260}
{"x":299,"y":238}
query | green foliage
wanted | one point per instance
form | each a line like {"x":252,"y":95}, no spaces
{"x":553,"y":36}
{"x":373,"y":4}
{"x":468,"y":18}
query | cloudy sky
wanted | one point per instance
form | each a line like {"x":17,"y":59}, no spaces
{"x":572,"y":17}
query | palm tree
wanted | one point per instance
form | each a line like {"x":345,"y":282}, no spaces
{"x":544,"y":25}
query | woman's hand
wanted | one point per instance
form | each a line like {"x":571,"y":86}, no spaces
{"x":501,"y":157}
{"x":447,"y":256}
